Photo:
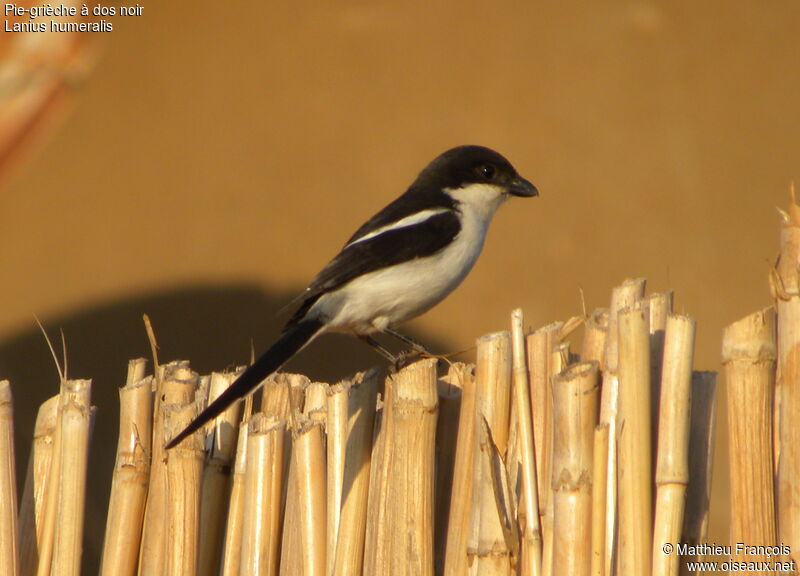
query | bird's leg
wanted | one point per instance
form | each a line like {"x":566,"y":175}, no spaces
{"x":398,"y":361}
{"x":416,"y":346}
{"x":378,"y":348}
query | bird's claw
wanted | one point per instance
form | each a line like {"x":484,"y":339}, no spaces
{"x":408,"y":357}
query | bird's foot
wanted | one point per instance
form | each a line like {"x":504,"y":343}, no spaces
{"x":408,"y":357}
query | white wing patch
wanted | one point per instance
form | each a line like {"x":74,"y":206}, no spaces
{"x":402,"y":223}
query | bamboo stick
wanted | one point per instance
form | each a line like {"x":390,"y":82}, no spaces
{"x":75,"y":426}
{"x":263,"y":496}
{"x":785,"y":281}
{"x":575,"y":413}
{"x":672,"y":468}
{"x":635,"y":459}
{"x":355,"y":482}
{"x":131,"y":475}
{"x":531,"y":549}
{"x":459,"y":519}
{"x":9,"y":551}
{"x":748,"y":354}
{"x":701,"y":458}
{"x":220,"y":447}
{"x":37,"y":485}
{"x":622,"y":296}
{"x":183,"y":489}
{"x":599,"y":483}
{"x":488,"y":547}
{"x":232,"y":547}
{"x":449,"y":392}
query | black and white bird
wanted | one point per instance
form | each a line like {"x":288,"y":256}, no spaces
{"x":399,"y":264}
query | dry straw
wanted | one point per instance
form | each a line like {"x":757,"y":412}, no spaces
{"x":9,"y":552}
{"x":531,"y":549}
{"x":183,"y":488}
{"x":575,"y":409}
{"x":530,"y":462}
{"x":488,"y":546}
{"x":672,"y":467}
{"x":785,"y":282}
{"x":219,"y":455}
{"x":748,"y":354}
{"x":37,"y":485}
{"x":131,"y":474}
{"x":349,"y":552}
{"x":635,"y":472}
{"x":73,"y":433}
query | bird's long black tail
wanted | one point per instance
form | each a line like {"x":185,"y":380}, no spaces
{"x":287,"y":346}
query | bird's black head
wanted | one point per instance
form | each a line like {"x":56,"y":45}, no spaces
{"x":465,"y":165}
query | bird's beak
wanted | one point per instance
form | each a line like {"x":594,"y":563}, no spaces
{"x":521,"y":187}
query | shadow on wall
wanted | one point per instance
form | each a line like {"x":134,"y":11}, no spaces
{"x":211,"y":326}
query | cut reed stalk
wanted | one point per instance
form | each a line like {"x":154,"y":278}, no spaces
{"x":488,"y":546}
{"x":75,"y":419}
{"x":461,"y":496}
{"x":543,"y":363}
{"x":9,"y":551}
{"x":575,"y":411}
{"x":297,"y":398}
{"x":131,"y":475}
{"x":449,"y":392}
{"x":635,"y":458}
{"x":309,"y":460}
{"x":183,"y":489}
{"x":623,"y":296}
{"x":377,"y":552}
{"x":540,"y":346}
{"x":748,"y":355}
{"x":38,"y":483}
{"x":414,"y":412}
{"x":336,"y":456}
{"x":594,"y":337}
{"x":531,"y":549}
{"x":232,"y":546}
{"x":785,"y":283}
{"x":559,"y":359}
{"x":175,"y":384}
{"x":599,"y":483}
{"x":701,"y":458}
{"x":363,"y":392}
{"x":672,"y":468}
{"x":660,"y":307}
{"x":282,"y":394}
{"x":261,"y":535}
{"x":220,"y":446}
{"x":291,"y":556}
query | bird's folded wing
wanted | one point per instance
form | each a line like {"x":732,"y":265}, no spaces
{"x":390,"y":245}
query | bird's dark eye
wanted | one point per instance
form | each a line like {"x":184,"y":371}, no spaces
{"x":487,"y":171}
